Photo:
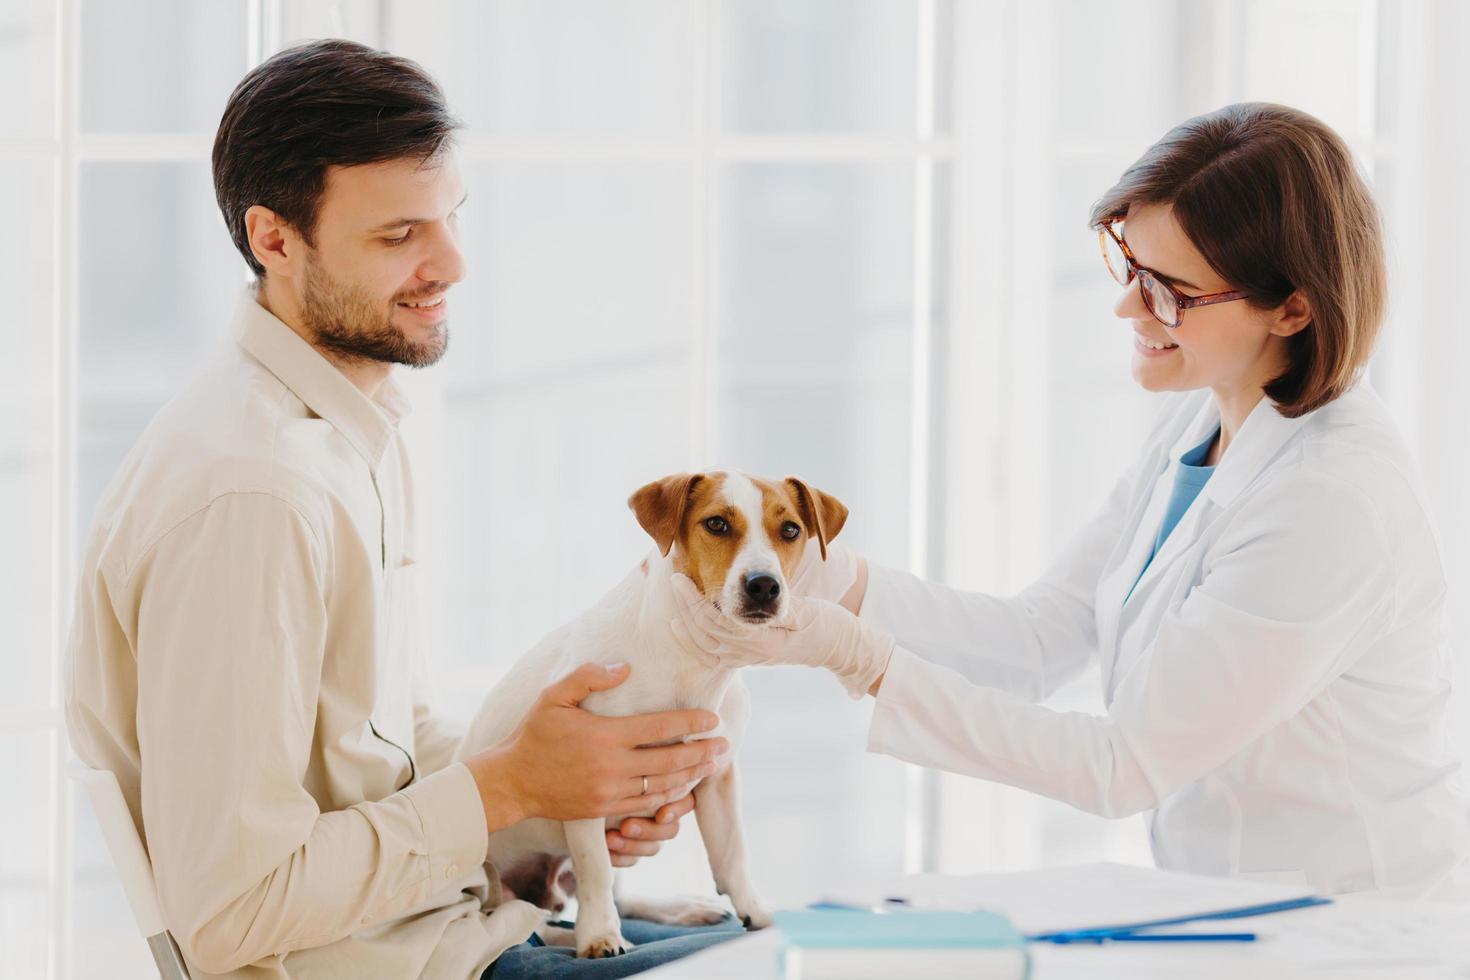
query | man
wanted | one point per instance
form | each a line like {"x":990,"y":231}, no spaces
{"x":242,"y":654}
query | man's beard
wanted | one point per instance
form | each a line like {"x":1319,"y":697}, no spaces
{"x":349,"y":323}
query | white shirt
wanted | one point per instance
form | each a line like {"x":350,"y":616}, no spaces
{"x":1276,"y":686}
{"x":243,"y":658}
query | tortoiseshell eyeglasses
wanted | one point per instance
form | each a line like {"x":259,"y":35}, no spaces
{"x":1166,"y":303}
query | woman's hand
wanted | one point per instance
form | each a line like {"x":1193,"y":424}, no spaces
{"x":639,"y":837}
{"x":831,"y":578}
{"x":812,"y":633}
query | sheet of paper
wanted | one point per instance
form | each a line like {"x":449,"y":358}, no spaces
{"x":1085,"y":897}
{"x":1378,"y":931}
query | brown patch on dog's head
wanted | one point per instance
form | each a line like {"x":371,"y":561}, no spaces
{"x":715,"y":521}
{"x":660,"y":505}
{"x":822,"y":514}
{"x":687,"y":513}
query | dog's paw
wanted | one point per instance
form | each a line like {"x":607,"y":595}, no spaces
{"x":694,"y":910}
{"x":601,"y":947}
{"x":754,"y":914}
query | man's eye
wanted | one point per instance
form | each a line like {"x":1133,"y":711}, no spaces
{"x":716,"y":525}
{"x":396,"y":241}
{"x":790,"y":531}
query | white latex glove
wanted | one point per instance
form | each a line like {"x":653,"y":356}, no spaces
{"x":830,"y":579}
{"x":812,"y":633}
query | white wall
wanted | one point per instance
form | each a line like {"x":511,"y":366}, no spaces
{"x":844,"y":239}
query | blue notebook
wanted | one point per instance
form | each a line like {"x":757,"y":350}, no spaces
{"x":857,"y":944}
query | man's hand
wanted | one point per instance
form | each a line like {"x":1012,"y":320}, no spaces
{"x":564,"y":763}
{"x":637,"y":837}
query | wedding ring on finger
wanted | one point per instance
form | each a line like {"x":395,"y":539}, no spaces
{"x":645,"y":785}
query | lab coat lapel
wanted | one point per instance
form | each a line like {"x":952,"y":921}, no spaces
{"x":1141,"y":530}
{"x":1259,"y":442}
{"x":1257,"y":445}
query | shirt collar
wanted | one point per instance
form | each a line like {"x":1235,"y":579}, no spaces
{"x":367,"y":423}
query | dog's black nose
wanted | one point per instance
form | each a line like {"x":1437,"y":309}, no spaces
{"x":762,"y":587}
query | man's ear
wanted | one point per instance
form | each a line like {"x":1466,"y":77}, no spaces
{"x":272,"y":240}
{"x":659,"y":507}
{"x":822,"y":513}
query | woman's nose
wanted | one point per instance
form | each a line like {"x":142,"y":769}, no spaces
{"x":1129,"y":304}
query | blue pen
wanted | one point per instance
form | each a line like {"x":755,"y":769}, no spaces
{"x":1185,"y":937}
{"x":1156,"y":937}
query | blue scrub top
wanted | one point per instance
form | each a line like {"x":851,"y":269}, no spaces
{"x":1190,"y":478}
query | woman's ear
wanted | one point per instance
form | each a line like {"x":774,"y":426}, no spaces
{"x":1293,"y":316}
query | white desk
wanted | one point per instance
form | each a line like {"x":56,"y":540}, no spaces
{"x":1352,"y":939}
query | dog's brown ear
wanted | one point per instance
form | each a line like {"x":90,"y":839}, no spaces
{"x":822,"y":513}
{"x":659,"y":507}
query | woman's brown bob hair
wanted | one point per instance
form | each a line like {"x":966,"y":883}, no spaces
{"x":1270,"y":197}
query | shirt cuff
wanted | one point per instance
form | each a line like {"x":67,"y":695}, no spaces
{"x":875,"y":596}
{"x":452,"y":819}
{"x":893,"y":704}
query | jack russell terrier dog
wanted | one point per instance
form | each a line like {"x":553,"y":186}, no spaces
{"x":739,"y":539}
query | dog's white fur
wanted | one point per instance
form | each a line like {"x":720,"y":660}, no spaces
{"x":632,"y":624}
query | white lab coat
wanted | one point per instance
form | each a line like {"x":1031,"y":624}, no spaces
{"x":1276,"y":686}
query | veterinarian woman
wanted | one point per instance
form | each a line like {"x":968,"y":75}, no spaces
{"x":1262,"y":586}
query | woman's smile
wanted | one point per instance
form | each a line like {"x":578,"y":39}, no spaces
{"x":1142,"y":345}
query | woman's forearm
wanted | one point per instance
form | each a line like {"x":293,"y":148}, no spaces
{"x":853,"y":601}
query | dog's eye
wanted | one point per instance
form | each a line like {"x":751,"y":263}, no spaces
{"x":790,"y":531}
{"x":716,"y":525}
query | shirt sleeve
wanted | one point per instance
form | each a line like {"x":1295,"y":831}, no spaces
{"x":1031,"y":643}
{"x":1283,"y":608}
{"x":230,"y":643}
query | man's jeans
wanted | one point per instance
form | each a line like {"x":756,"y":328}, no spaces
{"x":655,"y":945}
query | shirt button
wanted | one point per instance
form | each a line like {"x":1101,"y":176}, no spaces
{"x":451,"y":871}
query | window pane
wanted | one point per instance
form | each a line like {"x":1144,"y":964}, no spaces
{"x":159,"y":65}
{"x":1325,"y":76}
{"x":814,"y":324}
{"x":27,"y":493}
{"x":566,"y":384}
{"x":352,"y":20}
{"x":537,"y":526}
{"x":814,"y":329}
{"x":28,"y":69}
{"x":804,"y":768}
{"x":159,"y":280}
{"x":25,"y":931}
{"x":1097,"y":410}
{"x":559,"y":67}
{"x":819,"y":66}
{"x":1124,"y":71}
{"x":572,"y":266}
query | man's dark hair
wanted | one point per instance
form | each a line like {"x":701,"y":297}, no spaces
{"x":316,"y":105}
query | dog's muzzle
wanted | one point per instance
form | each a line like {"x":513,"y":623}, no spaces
{"x":762,"y":598}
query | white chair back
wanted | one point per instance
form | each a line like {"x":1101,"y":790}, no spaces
{"x":131,"y":861}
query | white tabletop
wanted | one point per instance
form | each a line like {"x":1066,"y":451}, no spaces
{"x":1354,"y":938}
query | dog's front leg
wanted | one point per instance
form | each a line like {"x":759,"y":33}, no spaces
{"x":599,"y":932}
{"x":717,"y":808}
